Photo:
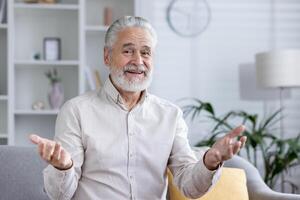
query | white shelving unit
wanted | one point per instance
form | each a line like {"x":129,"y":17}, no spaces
{"x":32,"y":23}
{"x":46,"y":63}
{"x":79,"y":25}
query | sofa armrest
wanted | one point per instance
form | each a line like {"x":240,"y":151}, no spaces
{"x":257,"y":189}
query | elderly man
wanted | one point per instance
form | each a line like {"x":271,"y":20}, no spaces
{"x":117,"y":143}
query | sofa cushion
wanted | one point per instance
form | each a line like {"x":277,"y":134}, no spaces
{"x":21,"y":173}
{"x":231,"y":186}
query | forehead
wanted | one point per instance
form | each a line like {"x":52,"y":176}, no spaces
{"x":134,"y":35}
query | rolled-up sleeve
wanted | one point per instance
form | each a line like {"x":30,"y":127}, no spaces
{"x":190,"y":174}
{"x":62,"y":184}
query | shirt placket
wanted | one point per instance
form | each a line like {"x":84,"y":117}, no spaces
{"x":131,"y":155}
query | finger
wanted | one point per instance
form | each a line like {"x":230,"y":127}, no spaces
{"x":236,"y":132}
{"x":65,"y":159}
{"x":63,"y":155}
{"x":229,"y":152}
{"x":236,"y":147}
{"x":56,"y":152}
{"x":41,"y":149}
{"x":243,"y":141}
{"x":35,"y":139}
{"x":48,"y":150}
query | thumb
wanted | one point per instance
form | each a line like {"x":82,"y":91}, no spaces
{"x":35,"y":138}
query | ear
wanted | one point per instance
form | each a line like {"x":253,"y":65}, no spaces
{"x":106,"y":56}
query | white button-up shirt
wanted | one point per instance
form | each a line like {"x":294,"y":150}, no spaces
{"x":119,"y":154}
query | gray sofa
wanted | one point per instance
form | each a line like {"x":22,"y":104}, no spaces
{"x":21,"y":176}
{"x":257,"y":189}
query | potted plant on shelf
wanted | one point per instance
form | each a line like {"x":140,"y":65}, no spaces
{"x":56,"y":93}
{"x":278,"y":155}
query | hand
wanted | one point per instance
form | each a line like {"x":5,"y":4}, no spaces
{"x":52,"y":152}
{"x":224,"y":148}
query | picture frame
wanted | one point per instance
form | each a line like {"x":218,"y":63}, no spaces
{"x":52,"y":48}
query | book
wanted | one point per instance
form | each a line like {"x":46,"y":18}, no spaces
{"x":97,"y":79}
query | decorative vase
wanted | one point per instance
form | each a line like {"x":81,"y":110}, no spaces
{"x":108,"y":16}
{"x":56,"y":95}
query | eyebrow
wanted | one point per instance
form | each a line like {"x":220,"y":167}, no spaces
{"x":132,"y":45}
{"x":128,"y":45}
{"x":147,"y":48}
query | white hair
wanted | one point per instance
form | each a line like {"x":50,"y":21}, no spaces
{"x":126,"y":22}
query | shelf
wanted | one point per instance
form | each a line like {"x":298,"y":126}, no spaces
{"x":47,"y":6}
{"x":3,"y":97}
{"x":3,"y":26}
{"x":36,"y":112}
{"x":96,"y":28}
{"x":3,"y":136}
{"x":47,"y":63}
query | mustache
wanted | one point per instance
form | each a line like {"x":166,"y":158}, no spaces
{"x":136,"y":68}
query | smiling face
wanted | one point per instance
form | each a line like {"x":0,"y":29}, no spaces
{"x":130,"y":59}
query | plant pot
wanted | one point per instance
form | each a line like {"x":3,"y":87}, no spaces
{"x":56,"y":96}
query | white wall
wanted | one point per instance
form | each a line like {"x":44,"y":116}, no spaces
{"x":172,"y":75}
{"x":215,"y":65}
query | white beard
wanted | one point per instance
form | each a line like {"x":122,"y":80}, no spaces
{"x":134,"y":85}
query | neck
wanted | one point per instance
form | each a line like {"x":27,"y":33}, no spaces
{"x":130,"y":99}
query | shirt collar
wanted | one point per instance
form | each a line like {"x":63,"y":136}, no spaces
{"x":114,"y":94}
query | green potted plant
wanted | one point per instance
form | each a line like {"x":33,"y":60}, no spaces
{"x":278,"y":155}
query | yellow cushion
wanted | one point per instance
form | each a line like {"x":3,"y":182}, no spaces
{"x":231,"y":186}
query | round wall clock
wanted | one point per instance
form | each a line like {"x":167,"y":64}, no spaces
{"x":188,"y":18}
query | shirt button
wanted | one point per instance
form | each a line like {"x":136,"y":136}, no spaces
{"x":131,"y":133}
{"x":131,"y":155}
{"x":131,"y":177}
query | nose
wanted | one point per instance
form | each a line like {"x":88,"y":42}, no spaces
{"x":137,"y":58}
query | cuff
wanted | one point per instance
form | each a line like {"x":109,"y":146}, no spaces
{"x":208,"y":177}
{"x":58,"y":177}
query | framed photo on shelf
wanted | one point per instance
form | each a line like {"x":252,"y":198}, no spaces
{"x":52,"y":48}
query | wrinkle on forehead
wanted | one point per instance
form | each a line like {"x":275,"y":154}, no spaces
{"x":135,"y":36}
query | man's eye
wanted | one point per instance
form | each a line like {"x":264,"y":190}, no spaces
{"x":128,"y":52}
{"x":146,"y":53}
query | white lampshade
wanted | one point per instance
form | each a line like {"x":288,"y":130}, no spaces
{"x":278,"y":68}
